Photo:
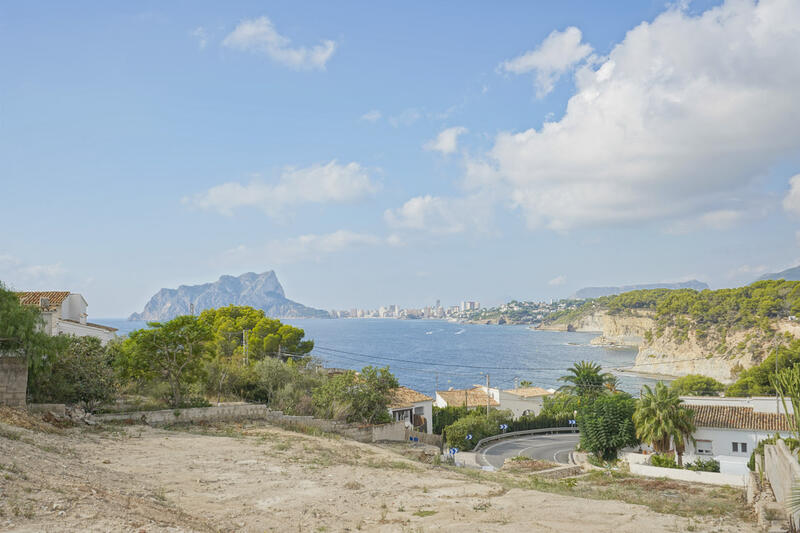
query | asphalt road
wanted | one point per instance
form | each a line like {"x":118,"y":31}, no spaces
{"x":554,"y":448}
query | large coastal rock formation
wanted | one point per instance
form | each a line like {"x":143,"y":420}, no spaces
{"x":262,"y":291}
{"x":673,"y":352}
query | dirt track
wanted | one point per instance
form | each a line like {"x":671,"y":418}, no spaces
{"x":269,"y":479}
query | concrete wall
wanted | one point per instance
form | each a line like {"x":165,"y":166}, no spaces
{"x":711,"y":478}
{"x":426,"y":438}
{"x":84,"y":330}
{"x":13,"y":380}
{"x":194,"y":414}
{"x":385,"y":432}
{"x":782,"y":469}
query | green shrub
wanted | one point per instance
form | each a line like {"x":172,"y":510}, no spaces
{"x":663,"y":461}
{"x":444,"y":416}
{"x":607,"y":425}
{"x":709,"y":465}
{"x":77,"y":371}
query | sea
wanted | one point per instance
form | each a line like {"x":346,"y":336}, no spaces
{"x":430,"y":355}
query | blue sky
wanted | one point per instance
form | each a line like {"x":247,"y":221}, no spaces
{"x":373,"y":155}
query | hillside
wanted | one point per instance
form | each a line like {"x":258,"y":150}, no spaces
{"x":261,"y":291}
{"x":597,"y":292}
{"x":678,"y":332}
{"x":790,"y":274}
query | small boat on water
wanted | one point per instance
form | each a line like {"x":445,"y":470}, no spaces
{"x":428,"y":333}
{"x":459,"y":332}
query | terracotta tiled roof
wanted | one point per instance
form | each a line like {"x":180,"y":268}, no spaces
{"x":529,"y":392}
{"x":33,"y":298}
{"x":405,"y":397}
{"x":475,"y":397}
{"x":735,"y":417}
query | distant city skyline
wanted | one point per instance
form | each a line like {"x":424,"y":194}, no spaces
{"x":376,"y":154}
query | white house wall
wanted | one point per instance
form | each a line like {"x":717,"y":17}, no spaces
{"x":519,"y":405}
{"x":83,"y":330}
{"x":73,"y":308}
{"x":721,"y":447}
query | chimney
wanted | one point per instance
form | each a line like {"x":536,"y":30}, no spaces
{"x":44,"y":302}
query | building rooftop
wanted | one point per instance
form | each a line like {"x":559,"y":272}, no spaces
{"x":474,"y":397}
{"x":92,"y":325}
{"x":735,"y":417}
{"x":529,"y":392}
{"x":34,"y":297}
{"x":405,"y":397}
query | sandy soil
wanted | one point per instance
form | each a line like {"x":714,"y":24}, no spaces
{"x":268,"y":479}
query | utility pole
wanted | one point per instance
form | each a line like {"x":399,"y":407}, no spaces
{"x":191,"y":309}
{"x":487,"y":394}
{"x":437,"y":382}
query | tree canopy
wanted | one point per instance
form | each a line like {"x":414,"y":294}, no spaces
{"x":586,"y":379}
{"x":697,"y":385}
{"x":606,"y":424}
{"x":362,"y":397}
{"x":660,"y":419}
{"x":20,"y":328}
{"x":265,"y":336}
{"x":174,"y":351}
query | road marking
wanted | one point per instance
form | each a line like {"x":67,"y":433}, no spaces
{"x":555,"y":455}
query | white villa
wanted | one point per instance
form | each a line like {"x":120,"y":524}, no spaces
{"x":471,"y":398}
{"x":65,"y":312}
{"x":728,"y":429}
{"x":412,"y":407}
{"x":521,"y":401}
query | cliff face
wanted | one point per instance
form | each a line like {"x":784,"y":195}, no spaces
{"x":261,"y":291}
{"x":677,"y":353}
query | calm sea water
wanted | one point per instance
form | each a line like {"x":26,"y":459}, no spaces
{"x":424,"y":354}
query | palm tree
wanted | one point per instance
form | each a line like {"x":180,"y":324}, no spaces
{"x":586,"y":378}
{"x":661,"y":420}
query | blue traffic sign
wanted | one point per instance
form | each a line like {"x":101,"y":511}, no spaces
{"x":453,"y":451}
{"x":469,"y":436}
{"x":504,"y":426}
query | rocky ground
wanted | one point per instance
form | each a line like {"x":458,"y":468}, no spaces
{"x":263,"y":478}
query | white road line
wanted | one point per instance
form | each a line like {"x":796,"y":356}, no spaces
{"x":555,"y":455}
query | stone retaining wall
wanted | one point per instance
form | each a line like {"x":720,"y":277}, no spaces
{"x":225,"y":413}
{"x":13,"y":380}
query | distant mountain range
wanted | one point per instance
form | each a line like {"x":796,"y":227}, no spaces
{"x":790,"y":274}
{"x":597,"y":292}
{"x":262,"y":291}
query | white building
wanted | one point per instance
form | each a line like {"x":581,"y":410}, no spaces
{"x":65,"y":312}
{"x":728,"y":429}
{"x":521,"y":401}
{"x":412,"y":407}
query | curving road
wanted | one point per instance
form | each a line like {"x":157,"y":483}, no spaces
{"x":554,"y":448}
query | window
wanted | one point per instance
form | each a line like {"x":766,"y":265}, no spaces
{"x":743,"y":447}
{"x":703,"y":447}
{"x":739,"y":447}
{"x":735,"y":446}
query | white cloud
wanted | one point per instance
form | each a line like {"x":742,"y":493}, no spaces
{"x":558,"y":280}
{"x":260,"y":36}
{"x":406,"y":118}
{"x":559,"y":52}
{"x":747,"y":271}
{"x":201,"y":35}
{"x":17,"y":274}
{"x":447,"y":140}
{"x":305,"y":247}
{"x":676,"y":123}
{"x":441,"y":216}
{"x":317,"y":184}
{"x":372,"y":116}
{"x":791,"y":202}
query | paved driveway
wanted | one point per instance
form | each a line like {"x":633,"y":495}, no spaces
{"x":554,"y":448}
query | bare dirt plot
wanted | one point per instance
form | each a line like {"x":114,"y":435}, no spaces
{"x":262,"y":478}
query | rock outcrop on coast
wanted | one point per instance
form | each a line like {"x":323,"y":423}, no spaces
{"x":672,"y":352}
{"x":261,"y":291}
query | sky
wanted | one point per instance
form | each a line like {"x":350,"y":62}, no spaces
{"x":376,"y":153}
